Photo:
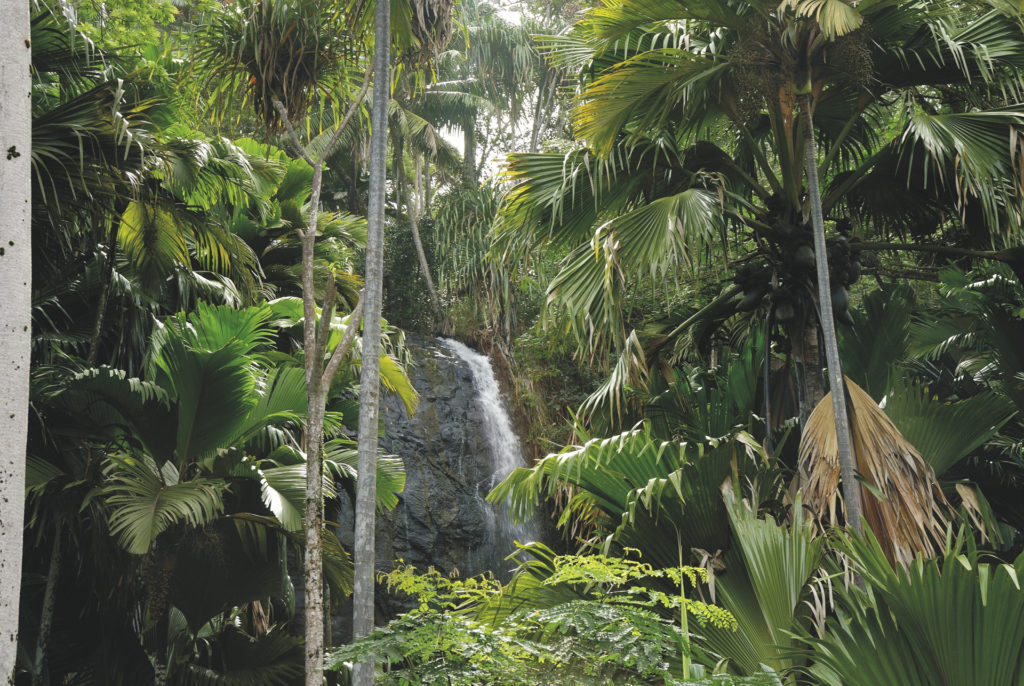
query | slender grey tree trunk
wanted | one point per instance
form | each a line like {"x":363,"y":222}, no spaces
{"x":15,"y":309}
{"x":318,"y":383}
{"x":428,"y":191}
{"x":369,"y":380}
{"x":847,"y":468}
{"x":538,"y":112}
{"x":435,"y":302}
{"x":469,"y":177}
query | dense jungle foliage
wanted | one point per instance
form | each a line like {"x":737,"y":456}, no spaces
{"x":616,"y":199}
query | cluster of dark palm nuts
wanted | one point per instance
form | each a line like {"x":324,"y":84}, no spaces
{"x":786,"y":278}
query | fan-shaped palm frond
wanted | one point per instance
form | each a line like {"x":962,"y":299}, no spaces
{"x":765,"y":583}
{"x":273,"y":659}
{"x":901,"y":632}
{"x":636,"y":490}
{"x":145,"y":500}
{"x":945,"y":432}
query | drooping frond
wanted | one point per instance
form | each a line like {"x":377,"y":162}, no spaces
{"x":903,"y":503}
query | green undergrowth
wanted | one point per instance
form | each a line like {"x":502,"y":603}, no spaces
{"x":594,"y":620}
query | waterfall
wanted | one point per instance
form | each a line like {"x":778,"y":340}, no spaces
{"x":506,"y":456}
{"x":459,"y":444}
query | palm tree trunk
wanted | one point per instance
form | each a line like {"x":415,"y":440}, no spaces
{"x":101,"y":307}
{"x":851,"y":489}
{"x":404,"y":196}
{"x":428,"y":190}
{"x":469,"y":178}
{"x":15,"y":310}
{"x":41,"y":676}
{"x":538,"y":112}
{"x":435,"y":302}
{"x":369,"y":378}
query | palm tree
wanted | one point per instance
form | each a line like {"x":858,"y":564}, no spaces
{"x":692,"y":141}
{"x":131,"y":209}
{"x":202,"y":454}
{"x":16,"y":312}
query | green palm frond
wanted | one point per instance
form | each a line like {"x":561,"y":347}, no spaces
{"x":281,"y":400}
{"x":341,"y":460}
{"x":90,"y":148}
{"x":274,"y":659}
{"x":766,"y":581}
{"x":834,"y":17}
{"x":145,"y":500}
{"x":647,"y":91}
{"x":635,"y":489}
{"x":909,"y":629}
{"x":151,"y":238}
{"x":202,"y":361}
{"x":652,"y":240}
{"x":945,"y":433}
{"x":879,"y":338}
{"x":284,"y":493}
{"x":110,"y":405}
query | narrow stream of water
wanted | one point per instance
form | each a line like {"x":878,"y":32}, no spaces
{"x":506,"y":455}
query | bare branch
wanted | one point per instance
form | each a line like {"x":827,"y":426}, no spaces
{"x":348,"y":116}
{"x":346,"y":342}
{"x":283,"y":113}
{"x":326,"y":315}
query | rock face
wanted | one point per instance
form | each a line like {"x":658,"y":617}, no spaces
{"x":442,"y":519}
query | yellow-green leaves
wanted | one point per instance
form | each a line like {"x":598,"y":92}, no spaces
{"x":152,"y":241}
{"x":835,"y":17}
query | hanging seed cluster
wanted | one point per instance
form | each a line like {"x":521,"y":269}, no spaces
{"x":852,"y":54}
{"x":757,"y":74}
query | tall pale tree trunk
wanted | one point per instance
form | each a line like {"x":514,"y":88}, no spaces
{"x":538,"y":111}
{"x":851,"y":489}
{"x":369,"y":380}
{"x":435,"y":302}
{"x":15,"y":309}
{"x":469,"y":178}
{"x":417,"y":170}
{"x":318,"y":383}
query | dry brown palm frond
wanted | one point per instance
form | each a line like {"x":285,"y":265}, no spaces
{"x":432,"y":26}
{"x":903,"y":504}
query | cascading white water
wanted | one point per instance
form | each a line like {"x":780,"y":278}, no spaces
{"x":506,"y":454}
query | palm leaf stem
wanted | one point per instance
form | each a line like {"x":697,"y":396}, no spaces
{"x":728,"y":294}
{"x":101,"y":306}
{"x":758,"y":152}
{"x":851,"y":489}
{"x":837,"y":144}
{"x":837,"y":194}
{"x":953,"y":251}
